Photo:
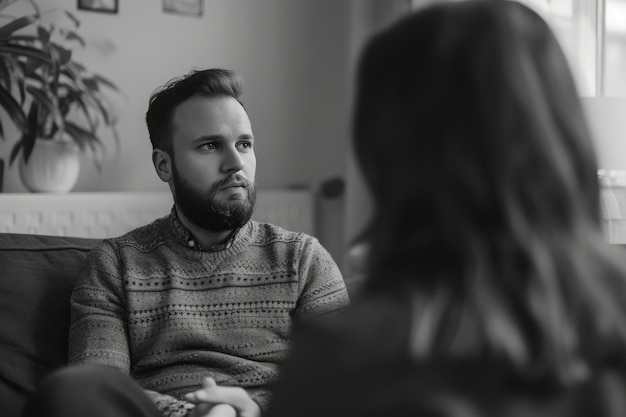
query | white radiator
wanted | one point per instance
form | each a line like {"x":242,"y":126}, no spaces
{"x":109,"y":214}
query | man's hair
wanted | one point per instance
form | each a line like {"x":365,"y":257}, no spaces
{"x":474,"y":144}
{"x":208,"y":82}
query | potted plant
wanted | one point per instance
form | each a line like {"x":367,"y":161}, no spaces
{"x":12,"y":51}
{"x":62,"y":106}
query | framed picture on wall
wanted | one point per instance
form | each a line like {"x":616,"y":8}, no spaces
{"x":184,"y":7}
{"x":103,"y":6}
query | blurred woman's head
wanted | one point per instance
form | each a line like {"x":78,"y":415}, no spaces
{"x":468,"y":123}
{"x":471,"y":137}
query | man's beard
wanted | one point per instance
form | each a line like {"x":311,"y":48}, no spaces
{"x":206,"y":211}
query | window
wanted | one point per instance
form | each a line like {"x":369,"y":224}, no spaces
{"x":593,"y":35}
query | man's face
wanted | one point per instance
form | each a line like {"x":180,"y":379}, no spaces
{"x":214,"y":163}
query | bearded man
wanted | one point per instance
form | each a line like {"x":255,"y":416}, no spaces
{"x":197,"y":306}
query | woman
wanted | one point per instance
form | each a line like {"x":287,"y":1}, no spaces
{"x":490,"y":290}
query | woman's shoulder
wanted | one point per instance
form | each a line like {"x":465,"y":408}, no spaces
{"x":482,"y":390}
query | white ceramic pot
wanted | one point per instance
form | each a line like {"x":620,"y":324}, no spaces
{"x":53,"y":166}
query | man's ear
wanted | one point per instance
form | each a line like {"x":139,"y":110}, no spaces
{"x":163,"y":164}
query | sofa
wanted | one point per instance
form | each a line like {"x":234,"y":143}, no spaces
{"x":38,"y":273}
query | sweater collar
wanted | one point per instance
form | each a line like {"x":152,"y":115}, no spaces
{"x":187,"y":239}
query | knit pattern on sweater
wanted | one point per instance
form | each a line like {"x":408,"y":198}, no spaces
{"x":170,"y":315}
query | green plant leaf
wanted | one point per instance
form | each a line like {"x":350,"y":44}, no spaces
{"x":75,"y":97}
{"x":17,"y":24}
{"x":34,"y":5}
{"x":65,"y":55}
{"x":5,"y":74}
{"x":16,"y":75}
{"x":32,"y":39}
{"x":46,"y":127}
{"x":55,"y":68}
{"x":35,"y":76}
{"x":83,"y":95}
{"x":13,"y":109}
{"x":16,"y":150}
{"x":73,"y":74}
{"x":43,"y":34}
{"x":72,"y":18}
{"x":73,"y":36}
{"x":100,"y":79}
{"x":69,"y":72}
{"x":108,"y":117}
{"x":91,"y":84}
{"x":48,"y":104}
{"x":78,"y":67}
{"x":83,"y":138}
{"x":27,"y":51}
{"x":31,"y":66}
{"x":27,"y":142}
{"x":12,"y":76}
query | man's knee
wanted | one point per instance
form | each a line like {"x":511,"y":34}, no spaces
{"x":74,"y":390}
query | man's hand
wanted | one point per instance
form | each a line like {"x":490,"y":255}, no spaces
{"x":208,"y":410}
{"x":216,"y":401}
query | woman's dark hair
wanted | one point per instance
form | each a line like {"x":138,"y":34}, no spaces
{"x":208,"y":82}
{"x":472,"y":140}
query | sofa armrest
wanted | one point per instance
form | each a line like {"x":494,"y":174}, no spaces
{"x":36,"y":281}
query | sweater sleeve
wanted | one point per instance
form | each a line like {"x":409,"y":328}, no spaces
{"x":98,"y":315}
{"x":322,"y":286}
{"x":170,"y":406}
{"x":99,"y":322}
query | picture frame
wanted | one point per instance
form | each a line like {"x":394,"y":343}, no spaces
{"x":101,"y":6}
{"x":184,"y":7}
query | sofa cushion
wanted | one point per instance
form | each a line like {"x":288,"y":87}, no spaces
{"x":36,"y":280}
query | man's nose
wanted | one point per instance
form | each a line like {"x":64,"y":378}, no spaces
{"x":233,"y":162}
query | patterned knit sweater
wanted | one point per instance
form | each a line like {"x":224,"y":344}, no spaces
{"x":171,"y":315}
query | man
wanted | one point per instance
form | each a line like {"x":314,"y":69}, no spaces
{"x":199,"y":304}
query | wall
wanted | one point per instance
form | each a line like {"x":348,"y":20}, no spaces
{"x":291,"y":53}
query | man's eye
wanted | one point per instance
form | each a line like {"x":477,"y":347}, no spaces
{"x":209,"y":146}
{"x":244,"y":146}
